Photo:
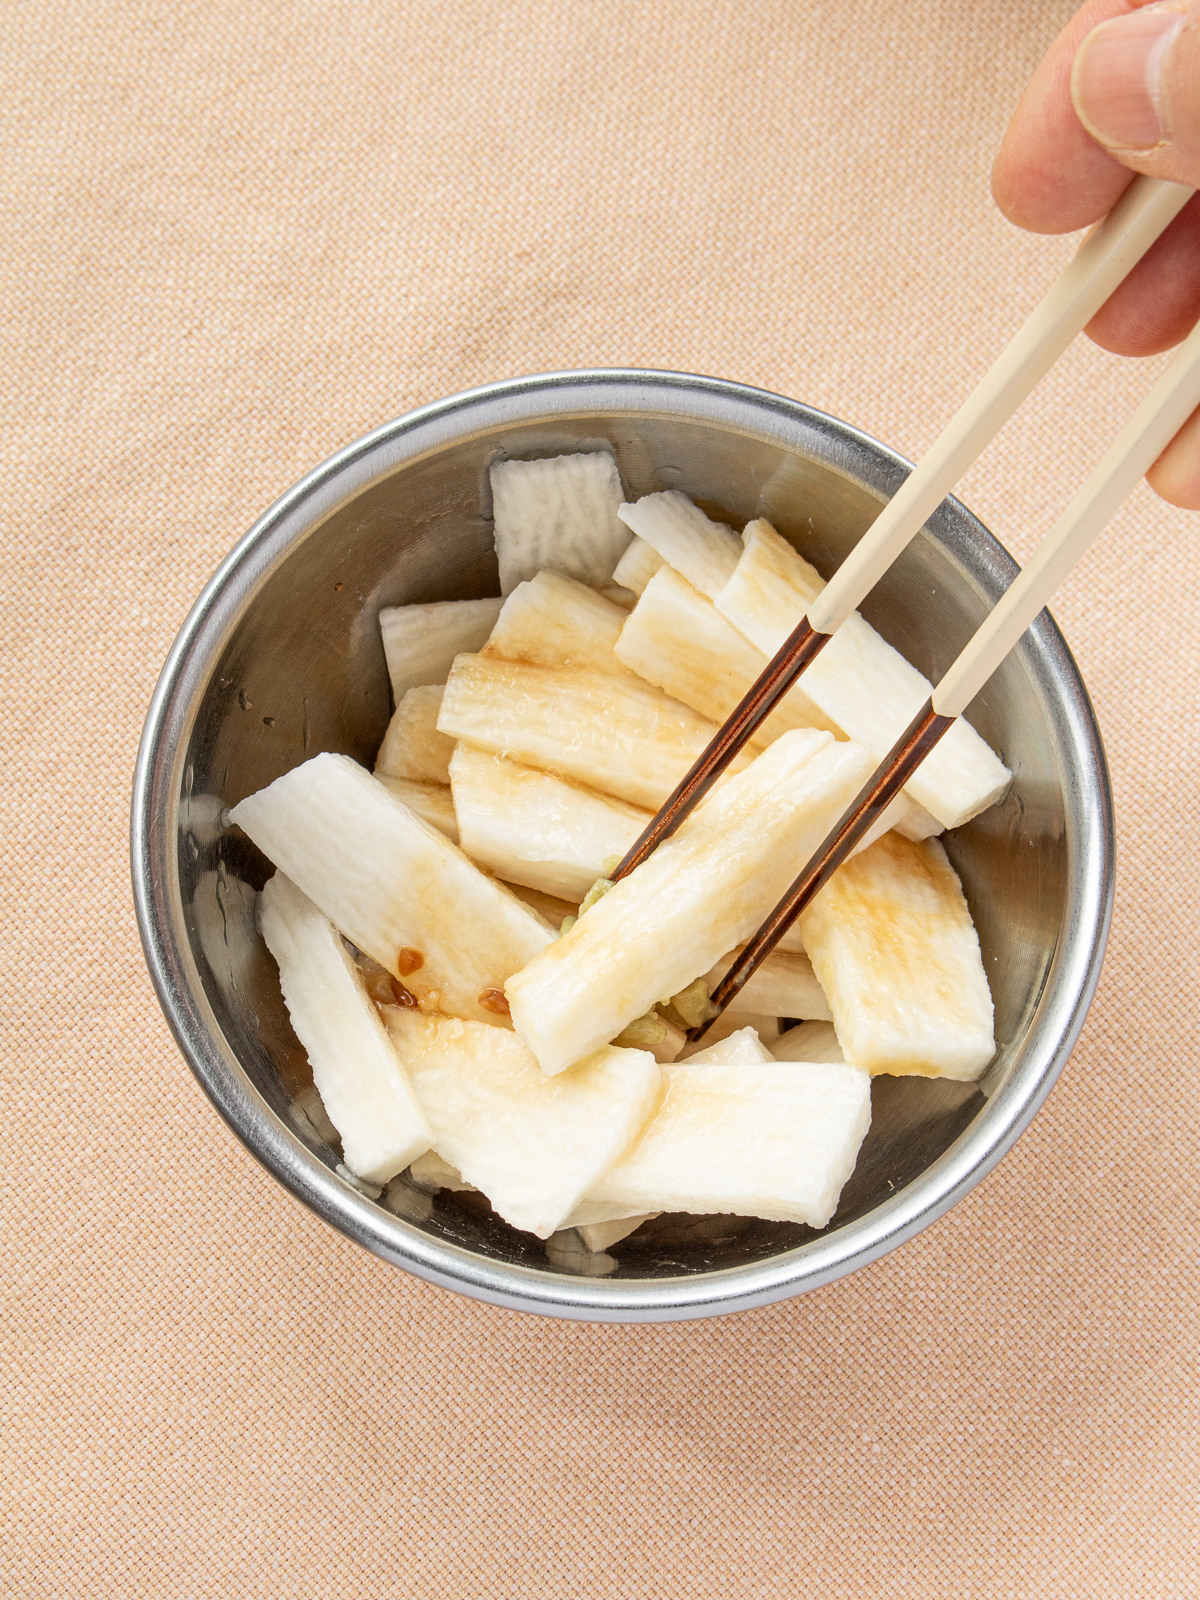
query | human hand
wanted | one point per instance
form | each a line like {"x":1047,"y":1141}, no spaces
{"x":1119,"y":93}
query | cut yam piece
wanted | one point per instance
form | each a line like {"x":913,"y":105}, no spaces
{"x":617,"y":735}
{"x":704,"y":551}
{"x":431,"y":801}
{"x":533,"y":1144}
{"x":554,"y":621}
{"x":412,"y":746}
{"x":394,"y":885}
{"x":892,"y":941}
{"x":421,"y":642}
{"x":677,"y":639}
{"x":362,"y":1083}
{"x":858,"y":681}
{"x":809,"y":1041}
{"x":535,"y":829}
{"x":637,"y":566}
{"x":784,"y":986}
{"x":625,"y":598}
{"x":600,"y":1235}
{"x":768,"y":1139}
{"x":558,"y":515}
{"x":699,"y":895}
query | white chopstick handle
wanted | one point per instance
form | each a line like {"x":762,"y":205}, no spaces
{"x":1133,"y":452}
{"x":1104,"y":259}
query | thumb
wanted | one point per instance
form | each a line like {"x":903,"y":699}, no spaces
{"x":1135,"y":85}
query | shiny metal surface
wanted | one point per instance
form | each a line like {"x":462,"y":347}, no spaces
{"x":280,"y":659}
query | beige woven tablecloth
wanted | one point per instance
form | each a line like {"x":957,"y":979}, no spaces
{"x":235,"y":235}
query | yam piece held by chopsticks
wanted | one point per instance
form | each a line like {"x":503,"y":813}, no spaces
{"x":699,"y":895}
{"x":860,"y":683}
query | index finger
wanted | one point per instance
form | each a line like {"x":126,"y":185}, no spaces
{"x":1050,"y":175}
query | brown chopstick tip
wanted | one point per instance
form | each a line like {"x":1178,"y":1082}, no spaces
{"x":801,"y":646}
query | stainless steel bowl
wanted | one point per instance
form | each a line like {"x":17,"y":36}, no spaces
{"x":280,"y":659}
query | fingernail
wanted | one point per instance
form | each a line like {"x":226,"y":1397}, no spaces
{"x":1117,"y":77}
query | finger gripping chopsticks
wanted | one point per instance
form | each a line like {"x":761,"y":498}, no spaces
{"x":1165,"y":409}
{"x":1105,"y":258}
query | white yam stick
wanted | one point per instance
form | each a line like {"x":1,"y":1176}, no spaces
{"x":637,"y":566}
{"x":431,"y":1172}
{"x":412,"y":746}
{"x":535,"y":829}
{"x":600,"y":1235}
{"x":808,"y":1041}
{"x":559,"y":515}
{"x":533,"y":1144}
{"x":394,"y":885}
{"x":705,"y":552}
{"x":701,"y":893}
{"x":617,"y":735}
{"x":363,"y":1086}
{"x":892,"y":941}
{"x":770,"y":1139}
{"x":421,"y":642}
{"x":554,"y":621}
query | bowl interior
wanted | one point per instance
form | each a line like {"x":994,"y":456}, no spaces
{"x":302,"y":671}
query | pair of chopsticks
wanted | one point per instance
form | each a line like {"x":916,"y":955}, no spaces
{"x":1106,"y":257}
